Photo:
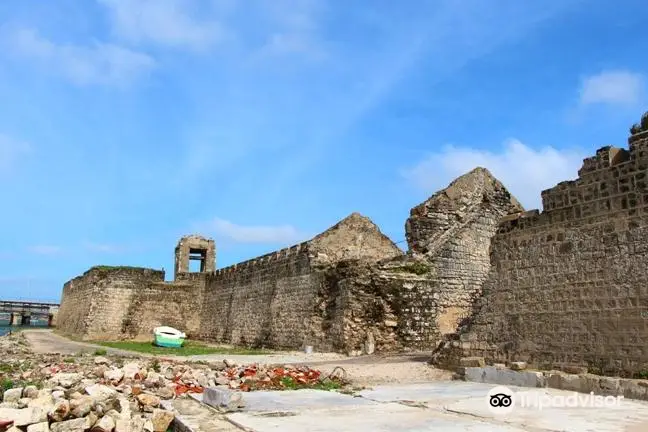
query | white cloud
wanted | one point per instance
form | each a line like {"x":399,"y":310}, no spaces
{"x":523,"y":170}
{"x":45,"y":250}
{"x":10,"y":150}
{"x":254,"y":234}
{"x":163,"y":22}
{"x":612,"y":87}
{"x":99,"y":63}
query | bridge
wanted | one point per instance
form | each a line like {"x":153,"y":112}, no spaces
{"x":27,"y":313}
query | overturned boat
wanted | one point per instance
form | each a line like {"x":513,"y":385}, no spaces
{"x":168,"y":337}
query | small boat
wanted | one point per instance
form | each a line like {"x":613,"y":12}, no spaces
{"x":168,"y":337}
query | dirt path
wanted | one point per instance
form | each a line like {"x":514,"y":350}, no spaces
{"x":47,"y":342}
{"x":363,"y":371}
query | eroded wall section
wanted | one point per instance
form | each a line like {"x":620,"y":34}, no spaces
{"x":451,"y":233}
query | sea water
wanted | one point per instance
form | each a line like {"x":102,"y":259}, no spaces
{"x":6,"y":329}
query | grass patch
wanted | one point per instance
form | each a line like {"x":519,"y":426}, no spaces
{"x":189,"y":348}
{"x":416,"y":268}
{"x":100,"y":352}
{"x":290,"y":384}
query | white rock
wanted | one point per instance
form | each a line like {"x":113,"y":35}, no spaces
{"x":45,"y":400}
{"x":100,"y":392}
{"x":101,"y":360}
{"x":24,"y":416}
{"x":105,"y":424}
{"x":76,"y":425}
{"x":67,"y":380}
{"x":58,"y":394}
{"x":39,"y":427}
{"x":13,"y":395}
{"x":114,"y":375}
{"x":131,"y":369}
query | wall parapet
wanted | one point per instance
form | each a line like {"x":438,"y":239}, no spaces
{"x":261,"y":261}
{"x":613,"y":181}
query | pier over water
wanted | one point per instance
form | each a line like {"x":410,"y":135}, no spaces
{"x":26,"y":313}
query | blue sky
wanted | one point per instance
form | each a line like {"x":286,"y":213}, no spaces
{"x":125,"y":124}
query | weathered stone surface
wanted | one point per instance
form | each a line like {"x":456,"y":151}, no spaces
{"x":67,"y":380}
{"x":221,"y":397}
{"x":148,"y":401}
{"x":24,"y":416}
{"x":518,"y":366}
{"x":12,"y":395}
{"x":60,"y":411}
{"x":104,"y":424}
{"x":568,"y":285}
{"x":75,"y":425}
{"x":100,"y":392}
{"x":30,"y":392}
{"x":472,"y":362}
{"x":38,"y":427}
{"x":161,"y":419}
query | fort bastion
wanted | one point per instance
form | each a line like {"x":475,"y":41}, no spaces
{"x":481,"y":277}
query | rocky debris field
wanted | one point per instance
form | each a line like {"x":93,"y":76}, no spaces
{"x":97,"y":393}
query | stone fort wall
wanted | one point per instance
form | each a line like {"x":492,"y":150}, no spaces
{"x":349,"y":289}
{"x":569,"y":285}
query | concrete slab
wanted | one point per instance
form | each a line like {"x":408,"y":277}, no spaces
{"x":627,"y":416}
{"x":431,"y":394}
{"x":298,"y":400}
{"x":448,"y":406}
{"x":387,"y":417}
{"x":192,"y":416}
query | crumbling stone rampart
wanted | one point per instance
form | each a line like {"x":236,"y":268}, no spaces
{"x":569,"y":285}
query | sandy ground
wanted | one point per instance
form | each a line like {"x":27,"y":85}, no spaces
{"x":362,"y":371}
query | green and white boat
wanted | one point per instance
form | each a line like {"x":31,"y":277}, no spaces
{"x":168,"y":337}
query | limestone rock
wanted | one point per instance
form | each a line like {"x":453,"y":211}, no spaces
{"x":39,"y":427}
{"x":24,"y":416}
{"x":131,"y":370}
{"x":12,"y":395}
{"x":161,"y":419}
{"x":148,"y":401}
{"x":67,"y":380}
{"x":99,"y":360}
{"x":105,"y":424}
{"x":472,"y":362}
{"x":114,"y":375}
{"x":75,"y":425}
{"x":81,"y":407}
{"x":60,"y":411}
{"x":100,"y":392}
{"x":30,"y":392}
{"x":518,"y":366}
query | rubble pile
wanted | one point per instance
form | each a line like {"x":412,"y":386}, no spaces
{"x":97,"y":393}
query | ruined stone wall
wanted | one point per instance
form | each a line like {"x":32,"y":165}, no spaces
{"x":266,"y":301}
{"x":368,"y":307}
{"x":275,"y":300}
{"x":175,"y":304}
{"x":569,"y":285}
{"x":127,"y":302}
{"x":451,"y":233}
